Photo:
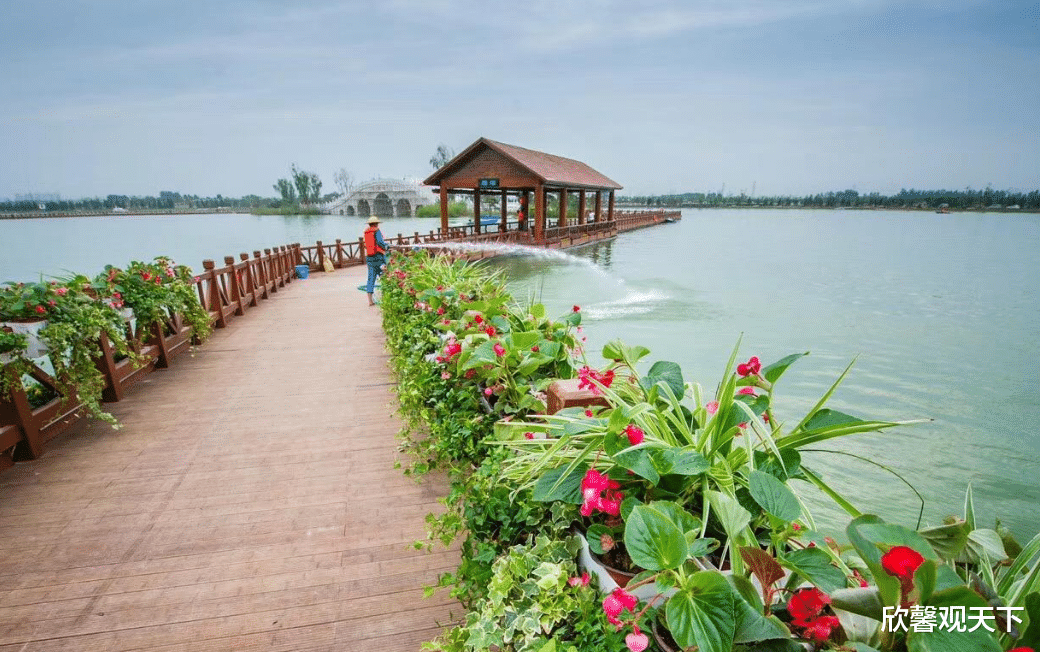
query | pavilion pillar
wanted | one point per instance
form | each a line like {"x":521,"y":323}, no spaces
{"x":504,"y":212}
{"x":539,"y":212}
{"x":610,"y":206}
{"x":476,"y":211}
{"x":563,"y":207}
{"x":444,"y":208}
{"x":599,"y":206}
{"x":581,"y":206}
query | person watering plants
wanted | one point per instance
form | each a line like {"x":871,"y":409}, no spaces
{"x":375,"y":255}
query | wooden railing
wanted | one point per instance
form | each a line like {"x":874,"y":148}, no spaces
{"x":629,"y":220}
{"x":224,"y":292}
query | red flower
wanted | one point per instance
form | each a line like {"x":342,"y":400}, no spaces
{"x":1022,"y":649}
{"x":478,"y":319}
{"x":588,"y":413}
{"x":819,"y":630}
{"x":586,"y":376}
{"x":750,"y":368}
{"x":635,"y":434}
{"x":490,"y":330}
{"x":535,"y":348}
{"x":806,"y":604}
{"x":902,"y":562}
{"x":576,"y":309}
{"x":41,"y":310}
{"x":440,"y":311}
{"x":528,"y":435}
{"x":747,"y":391}
{"x":499,"y":350}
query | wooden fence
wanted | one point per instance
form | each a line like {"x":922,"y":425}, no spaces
{"x":225,"y":292}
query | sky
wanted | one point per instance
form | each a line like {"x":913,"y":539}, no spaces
{"x":772,"y":97}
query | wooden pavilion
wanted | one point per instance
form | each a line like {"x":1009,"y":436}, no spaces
{"x":490,"y":167}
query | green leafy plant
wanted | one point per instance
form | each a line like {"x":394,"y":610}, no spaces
{"x":535,"y":595}
{"x":156,"y":291}
{"x":75,"y":321}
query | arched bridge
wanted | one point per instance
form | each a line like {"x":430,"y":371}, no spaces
{"x":383,"y":198}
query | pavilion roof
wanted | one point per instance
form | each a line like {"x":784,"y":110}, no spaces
{"x":551,"y":169}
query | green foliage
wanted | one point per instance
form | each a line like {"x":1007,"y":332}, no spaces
{"x":74,"y":322}
{"x":530,"y":604}
{"x":455,"y":209}
{"x":156,"y":291}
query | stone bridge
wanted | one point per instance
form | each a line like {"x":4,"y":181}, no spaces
{"x":383,"y":198}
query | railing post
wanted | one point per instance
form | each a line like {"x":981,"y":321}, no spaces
{"x":321,"y":257}
{"x":215,"y":304}
{"x":339,"y":253}
{"x":263,"y":272}
{"x":250,"y":279}
{"x":361,"y":250}
{"x":235,"y":297}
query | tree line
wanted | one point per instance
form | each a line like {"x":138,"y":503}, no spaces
{"x":967,"y":199}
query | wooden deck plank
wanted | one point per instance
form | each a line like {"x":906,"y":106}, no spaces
{"x":250,"y":502}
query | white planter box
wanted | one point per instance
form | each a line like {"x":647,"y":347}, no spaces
{"x":36,"y":348}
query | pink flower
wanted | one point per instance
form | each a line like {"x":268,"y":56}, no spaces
{"x":749,"y":368}
{"x":579,"y":581}
{"x":588,"y":413}
{"x":499,"y":350}
{"x":637,"y":640}
{"x":634,"y":433}
{"x":445,"y":376}
{"x":586,"y":376}
{"x":619,"y":600}
{"x":528,"y":435}
{"x":747,"y":391}
{"x":712,"y":407}
{"x":488,"y":391}
{"x":61,"y":291}
{"x":600,"y":493}
{"x":440,"y":311}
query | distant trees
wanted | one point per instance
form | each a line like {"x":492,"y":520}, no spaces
{"x":303,"y":187}
{"x":441,"y":156}
{"x":344,"y":181}
{"x":966,"y":199}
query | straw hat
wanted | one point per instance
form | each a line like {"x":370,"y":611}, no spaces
{"x":373,"y":220}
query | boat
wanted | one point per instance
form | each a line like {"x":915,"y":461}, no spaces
{"x":489,"y":221}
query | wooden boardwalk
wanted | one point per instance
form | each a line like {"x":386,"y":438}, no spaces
{"x":250,"y":501}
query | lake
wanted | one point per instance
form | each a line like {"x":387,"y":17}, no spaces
{"x":940,"y":313}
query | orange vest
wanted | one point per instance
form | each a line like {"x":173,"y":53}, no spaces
{"x":371,"y":248}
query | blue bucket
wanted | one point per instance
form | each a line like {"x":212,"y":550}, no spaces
{"x":302,"y":271}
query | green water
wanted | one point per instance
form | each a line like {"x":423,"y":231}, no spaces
{"x":940,"y":312}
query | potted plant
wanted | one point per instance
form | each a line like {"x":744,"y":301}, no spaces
{"x":70,"y":323}
{"x":157,"y":292}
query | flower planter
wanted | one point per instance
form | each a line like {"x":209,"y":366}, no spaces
{"x":31,"y":329}
{"x":607,"y":582}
